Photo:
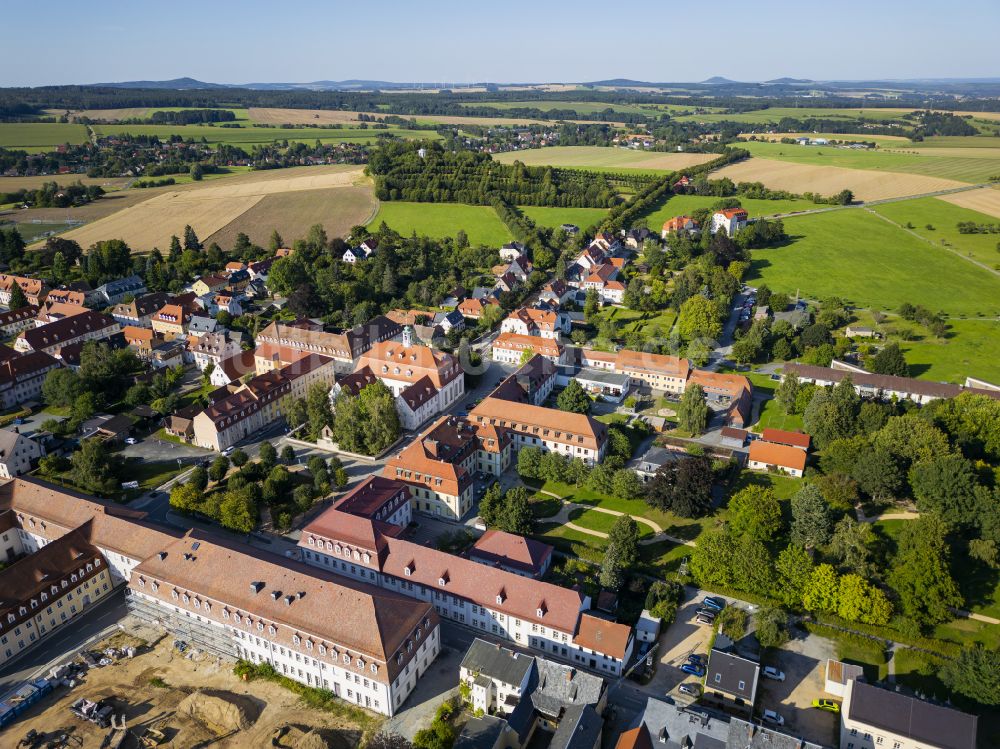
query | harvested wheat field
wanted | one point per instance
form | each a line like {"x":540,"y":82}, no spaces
{"x":12,"y":184}
{"x":866,"y":184}
{"x":337,"y":209}
{"x":985,"y":200}
{"x":207,"y":207}
{"x":195,"y":700}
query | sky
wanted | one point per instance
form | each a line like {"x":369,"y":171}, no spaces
{"x":222,"y":41}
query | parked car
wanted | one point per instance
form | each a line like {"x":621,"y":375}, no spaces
{"x":828,"y":705}
{"x":705,"y":619}
{"x":706,"y":612}
{"x":693,"y":669}
{"x":130,"y":440}
{"x":697,"y":659}
{"x":771,"y":672}
{"x":692,"y":690}
{"x":714,"y":602}
{"x":773,"y":718}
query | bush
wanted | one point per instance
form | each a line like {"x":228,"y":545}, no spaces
{"x":663,"y":599}
{"x":732,"y":622}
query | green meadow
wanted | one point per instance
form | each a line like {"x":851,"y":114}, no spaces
{"x":480,"y":223}
{"x":971,"y":347}
{"x":40,"y":136}
{"x":774,"y":114}
{"x":679,"y":205}
{"x":964,"y":168}
{"x":937,"y":221}
{"x":555,"y":217}
{"x":249,"y":136}
{"x":860,"y":257}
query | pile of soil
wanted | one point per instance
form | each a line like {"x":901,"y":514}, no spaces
{"x":221,"y":712}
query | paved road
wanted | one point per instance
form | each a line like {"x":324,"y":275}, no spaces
{"x":64,"y":643}
{"x":724,"y":346}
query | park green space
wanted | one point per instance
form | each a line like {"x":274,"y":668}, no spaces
{"x":480,"y":223}
{"x":555,"y":217}
{"x":602,"y":522}
{"x":963,"y":168}
{"x":869,"y":262}
{"x":680,"y":205}
{"x":40,"y":136}
{"x":248,"y":136}
{"x":654,"y":324}
{"x":937,"y":221}
{"x":772,"y":415}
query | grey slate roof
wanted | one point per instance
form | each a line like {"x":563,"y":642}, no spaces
{"x":922,"y":722}
{"x":580,"y":728}
{"x":728,"y":671}
{"x":744,"y":735}
{"x":497,"y":662}
{"x":560,"y":686}
{"x":480,"y":733}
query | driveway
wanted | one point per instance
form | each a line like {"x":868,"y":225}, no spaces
{"x":804,"y":662}
{"x":682,"y":638}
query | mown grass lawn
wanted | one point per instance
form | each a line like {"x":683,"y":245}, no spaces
{"x":555,"y":217}
{"x":602,"y":522}
{"x":480,"y":223}
{"x":871,"y":263}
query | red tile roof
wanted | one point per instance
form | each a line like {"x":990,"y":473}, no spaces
{"x":603,"y":636}
{"x":784,"y":456}
{"x":510,"y":550}
{"x":795,"y":439}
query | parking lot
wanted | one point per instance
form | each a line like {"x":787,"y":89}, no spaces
{"x":803,"y":660}
{"x":683,"y":638}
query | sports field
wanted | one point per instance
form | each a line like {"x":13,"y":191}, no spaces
{"x":480,"y":223}
{"x":679,"y":205}
{"x":249,"y":135}
{"x":292,"y":213}
{"x":866,"y":184}
{"x":606,"y":159}
{"x":40,"y":136}
{"x":208,"y":208}
{"x":936,"y":220}
{"x":555,"y":217}
{"x":977,"y":166}
{"x":869,"y":262}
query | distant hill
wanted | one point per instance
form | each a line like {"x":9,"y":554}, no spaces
{"x":790,"y":80}
{"x":718,"y":79}
{"x":177,"y":84}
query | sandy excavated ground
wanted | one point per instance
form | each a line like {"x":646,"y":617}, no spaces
{"x":207,"y":208}
{"x":867,"y":184}
{"x":265,"y":706}
{"x":985,"y":200}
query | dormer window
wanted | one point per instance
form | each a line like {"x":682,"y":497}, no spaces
{"x":296,"y":639}
{"x":347,"y":657}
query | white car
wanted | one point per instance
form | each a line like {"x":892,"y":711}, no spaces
{"x":771,"y":672}
{"x":772,"y":717}
{"x":130,"y":440}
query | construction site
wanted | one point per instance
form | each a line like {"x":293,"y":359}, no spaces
{"x":153,"y":691}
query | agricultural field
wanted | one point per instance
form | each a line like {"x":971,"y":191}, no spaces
{"x":480,"y":223}
{"x":679,"y":205}
{"x":13,"y":184}
{"x":866,"y":184}
{"x":555,"y":217}
{"x":336,"y":208}
{"x":985,"y":200}
{"x":600,"y":158}
{"x":764,"y":116}
{"x":208,"y":208}
{"x":131,"y":113}
{"x":249,"y":136}
{"x":274,"y":116}
{"x":40,"y":136}
{"x":870,"y":262}
{"x":954,"y":164}
{"x":583,"y":107}
{"x":936,"y":219}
